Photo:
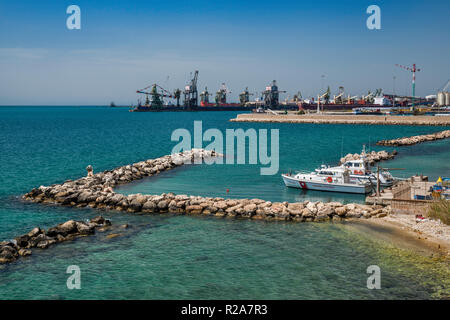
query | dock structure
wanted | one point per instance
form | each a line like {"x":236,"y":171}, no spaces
{"x":408,"y":196}
{"x":344,"y":119}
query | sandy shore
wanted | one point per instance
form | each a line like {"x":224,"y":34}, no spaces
{"x":344,"y":119}
{"x":426,"y":236}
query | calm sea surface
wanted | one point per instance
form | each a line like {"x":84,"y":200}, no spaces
{"x":180,"y":257}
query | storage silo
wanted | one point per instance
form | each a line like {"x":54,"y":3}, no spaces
{"x":441,"y":99}
{"x":447,"y":98}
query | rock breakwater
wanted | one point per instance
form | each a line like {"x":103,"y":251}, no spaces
{"x":38,"y":238}
{"x":372,"y":157}
{"x":407,"y":141}
{"x":96,"y":191}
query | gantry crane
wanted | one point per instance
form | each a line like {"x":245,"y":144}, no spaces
{"x":244,"y":96}
{"x":297,"y":97}
{"x":156,"y":97}
{"x":191,"y":93}
{"x":204,"y":96}
{"x":221,"y":94}
{"x":272,"y":95}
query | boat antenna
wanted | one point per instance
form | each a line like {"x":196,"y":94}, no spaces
{"x":342,"y":146}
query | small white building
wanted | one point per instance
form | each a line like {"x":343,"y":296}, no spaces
{"x":382,"y":101}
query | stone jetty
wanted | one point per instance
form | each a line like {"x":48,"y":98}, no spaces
{"x":96,"y":191}
{"x":343,"y":119}
{"x":372,"y":157}
{"x":408,"y":141}
{"x":38,"y":238}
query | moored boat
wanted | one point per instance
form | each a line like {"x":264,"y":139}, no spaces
{"x":335,"y":179}
{"x":360,"y":170}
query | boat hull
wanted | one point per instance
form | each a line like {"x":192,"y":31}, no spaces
{"x":293,"y":182}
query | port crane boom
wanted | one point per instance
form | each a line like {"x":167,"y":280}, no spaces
{"x":445,"y":86}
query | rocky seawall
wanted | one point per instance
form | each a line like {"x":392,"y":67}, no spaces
{"x":96,"y":191}
{"x":372,"y":157}
{"x":408,"y":141}
{"x":22,"y":245}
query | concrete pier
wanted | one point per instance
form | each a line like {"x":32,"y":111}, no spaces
{"x":343,"y":119}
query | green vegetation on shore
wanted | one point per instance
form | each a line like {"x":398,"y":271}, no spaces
{"x":440,"y":210}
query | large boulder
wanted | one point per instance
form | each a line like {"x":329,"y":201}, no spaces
{"x":306,"y":213}
{"x":85,"y":229}
{"x":149,"y":206}
{"x":98,"y":220}
{"x":194,"y":209}
{"x":311,"y":206}
{"x":250,"y":208}
{"x":63,"y":229}
{"x":22,"y":241}
{"x":163,"y":205}
{"x":341,"y":211}
{"x":135,"y":205}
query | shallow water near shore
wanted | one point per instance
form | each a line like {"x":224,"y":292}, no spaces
{"x":178,"y":257}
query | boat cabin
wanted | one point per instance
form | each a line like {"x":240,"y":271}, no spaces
{"x":357,"y":166}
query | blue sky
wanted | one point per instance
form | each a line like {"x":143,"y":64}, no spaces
{"x":126,"y":45}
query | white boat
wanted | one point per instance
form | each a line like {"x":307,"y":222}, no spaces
{"x":360,"y":170}
{"x":335,"y":179}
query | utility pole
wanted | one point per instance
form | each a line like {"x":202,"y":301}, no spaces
{"x":393,"y":97}
{"x":413,"y":70}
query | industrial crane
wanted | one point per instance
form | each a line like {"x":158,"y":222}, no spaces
{"x":204,"y":96}
{"x":325,"y":96}
{"x":272,"y":95}
{"x":444,"y":88}
{"x":351,"y":99}
{"x":413,"y":70}
{"x":156,"y":97}
{"x":368,"y":98}
{"x":337,"y":99}
{"x":297,"y":97}
{"x":191,"y":93}
{"x":244,"y":96}
{"x":221,"y":94}
{"x":379,"y":92}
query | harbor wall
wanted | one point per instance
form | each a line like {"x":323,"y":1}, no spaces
{"x":344,"y":119}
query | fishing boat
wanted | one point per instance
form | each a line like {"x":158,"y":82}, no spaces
{"x":335,"y":179}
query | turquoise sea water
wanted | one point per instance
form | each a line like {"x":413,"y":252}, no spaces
{"x":178,"y":257}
